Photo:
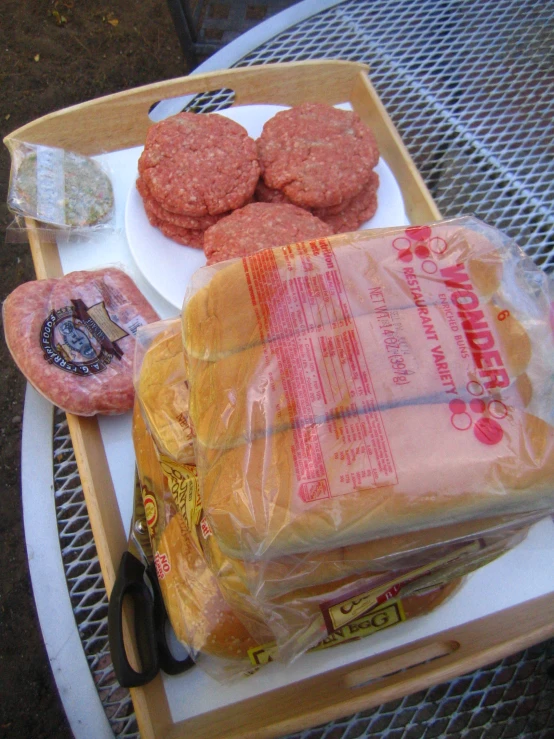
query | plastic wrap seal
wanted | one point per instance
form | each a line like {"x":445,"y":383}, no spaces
{"x":369,"y":385}
{"x":74,"y":338}
{"x":64,"y":191}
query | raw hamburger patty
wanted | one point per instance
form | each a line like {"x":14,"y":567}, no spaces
{"x":73,"y":338}
{"x":356,"y":211}
{"x":317,"y":155}
{"x":151,"y":205}
{"x":184,"y":236}
{"x":348,"y":216}
{"x":199,"y":165}
{"x":260,"y":226}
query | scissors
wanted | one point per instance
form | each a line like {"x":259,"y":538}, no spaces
{"x":137,"y":579}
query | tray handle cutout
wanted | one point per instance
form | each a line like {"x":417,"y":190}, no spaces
{"x":400,"y":663}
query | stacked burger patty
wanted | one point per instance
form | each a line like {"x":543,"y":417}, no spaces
{"x":198,"y":174}
{"x":195,"y":169}
{"x":322,"y":159}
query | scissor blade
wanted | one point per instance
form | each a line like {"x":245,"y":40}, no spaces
{"x":139,"y":539}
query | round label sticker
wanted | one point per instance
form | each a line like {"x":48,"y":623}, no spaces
{"x":151,"y":510}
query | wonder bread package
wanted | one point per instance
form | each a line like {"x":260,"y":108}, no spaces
{"x":370,"y":385}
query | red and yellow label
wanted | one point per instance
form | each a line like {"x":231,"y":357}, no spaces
{"x":183,"y":484}
{"x":388,"y":615}
{"x":339,"y":614}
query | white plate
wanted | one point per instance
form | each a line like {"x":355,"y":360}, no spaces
{"x":168,"y":266}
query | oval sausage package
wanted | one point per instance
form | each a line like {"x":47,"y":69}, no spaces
{"x":352,"y":388}
{"x":74,"y":338}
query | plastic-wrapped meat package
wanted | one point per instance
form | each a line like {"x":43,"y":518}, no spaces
{"x":74,"y":338}
{"x":368,"y":385}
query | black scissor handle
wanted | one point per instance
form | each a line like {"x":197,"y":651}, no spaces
{"x":130,"y":583}
{"x":168,"y":663}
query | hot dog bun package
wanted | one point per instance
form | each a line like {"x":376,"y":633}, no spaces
{"x":369,"y":385}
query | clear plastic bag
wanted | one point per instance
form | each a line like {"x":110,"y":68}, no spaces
{"x":63,"y":190}
{"x":370,"y":385}
{"x":201,"y":618}
{"x":162,"y":390}
{"x":302,"y":617}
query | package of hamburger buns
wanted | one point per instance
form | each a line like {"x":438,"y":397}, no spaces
{"x":199,"y":615}
{"x":370,"y":385}
{"x":230,"y":633}
{"x":313,"y":603}
{"x":207,"y":595}
{"x":162,"y":390}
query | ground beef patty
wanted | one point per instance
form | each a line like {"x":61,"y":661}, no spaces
{"x":152,"y":206}
{"x":317,"y":155}
{"x":184,"y":236}
{"x":198,"y":165}
{"x":347,"y":216}
{"x":355,"y":211}
{"x":260,"y":226}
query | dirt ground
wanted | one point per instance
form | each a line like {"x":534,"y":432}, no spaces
{"x":55,"y":53}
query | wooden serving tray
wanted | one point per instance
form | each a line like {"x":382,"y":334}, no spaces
{"x":121,"y":121}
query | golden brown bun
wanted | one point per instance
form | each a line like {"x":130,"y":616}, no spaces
{"x":421,"y":604}
{"x":278,"y":576}
{"x":444,"y":475}
{"x":220,"y":317}
{"x":163,"y":394}
{"x":242,"y":396}
{"x":197,"y":610}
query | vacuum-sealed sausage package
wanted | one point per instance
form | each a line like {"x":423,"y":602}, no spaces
{"x":74,"y":338}
{"x":162,"y":390}
{"x":368,"y":385}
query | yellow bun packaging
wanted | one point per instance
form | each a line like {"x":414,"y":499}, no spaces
{"x":301,"y":617}
{"x":370,"y":385}
{"x":201,"y":618}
